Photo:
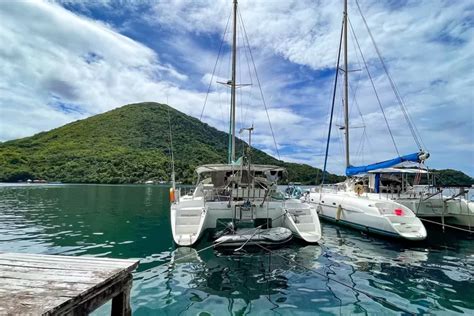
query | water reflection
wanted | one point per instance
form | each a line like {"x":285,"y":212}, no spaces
{"x":434,"y":276}
{"x":192,"y":280}
{"x":301,"y":278}
{"x":417,"y":277}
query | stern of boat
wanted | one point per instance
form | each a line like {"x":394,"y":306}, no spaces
{"x":402,"y":220}
{"x":187,"y":222}
{"x":460,"y":212}
{"x":302,"y":219}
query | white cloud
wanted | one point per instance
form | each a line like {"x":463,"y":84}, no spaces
{"x":63,"y":59}
{"x":89,"y":66}
{"x":426,"y":45}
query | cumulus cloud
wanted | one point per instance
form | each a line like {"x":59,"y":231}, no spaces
{"x":66,"y":65}
{"x":62,"y":67}
{"x":426,"y":44}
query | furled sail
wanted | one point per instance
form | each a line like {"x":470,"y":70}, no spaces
{"x":415,"y":157}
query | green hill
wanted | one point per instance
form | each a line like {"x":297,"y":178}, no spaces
{"x":128,"y":145}
{"x":448,"y":177}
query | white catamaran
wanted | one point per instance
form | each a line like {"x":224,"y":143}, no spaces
{"x":360,"y":206}
{"x":239,"y":194}
{"x":429,"y":202}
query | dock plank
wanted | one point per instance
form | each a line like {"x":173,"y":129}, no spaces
{"x":29,"y":305}
{"x":14,"y":285}
{"x":49,"y":277}
{"x":59,"y":258}
{"x":51,"y":284}
{"x":57,"y":265}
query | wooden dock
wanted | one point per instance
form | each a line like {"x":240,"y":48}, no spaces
{"x":56,"y":285}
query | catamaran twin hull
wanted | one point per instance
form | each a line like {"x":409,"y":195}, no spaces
{"x":191,"y":217}
{"x":372,"y":215}
{"x":458,"y":211}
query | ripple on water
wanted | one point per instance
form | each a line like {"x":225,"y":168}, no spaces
{"x":435,"y":276}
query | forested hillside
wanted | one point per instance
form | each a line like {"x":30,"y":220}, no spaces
{"x":128,"y":145}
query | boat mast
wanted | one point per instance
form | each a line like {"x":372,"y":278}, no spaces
{"x":346,"y":88}
{"x":232,"y":90}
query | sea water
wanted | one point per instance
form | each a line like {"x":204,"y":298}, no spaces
{"x":348,"y":273}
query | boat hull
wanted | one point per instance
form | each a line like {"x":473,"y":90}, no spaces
{"x":369,"y":215}
{"x":191,"y":217}
{"x":187,"y":222}
{"x":459,"y":211}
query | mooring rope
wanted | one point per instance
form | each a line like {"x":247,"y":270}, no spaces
{"x":188,"y":255}
{"x":212,"y":245}
{"x":374,"y":297}
{"x":450,"y":226}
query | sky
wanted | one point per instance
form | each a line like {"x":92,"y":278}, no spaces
{"x":61,"y":61}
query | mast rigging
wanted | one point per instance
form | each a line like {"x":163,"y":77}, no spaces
{"x":231,"y":158}
{"x":346,"y":89}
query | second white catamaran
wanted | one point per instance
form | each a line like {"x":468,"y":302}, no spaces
{"x":359,"y":203}
{"x":242,"y":196}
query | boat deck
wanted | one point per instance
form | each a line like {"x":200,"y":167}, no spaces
{"x":34,"y":284}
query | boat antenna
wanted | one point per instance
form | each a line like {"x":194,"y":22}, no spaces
{"x":173,"y":180}
{"x":249,"y":149}
{"x":231,"y":157}
{"x":346,"y":88}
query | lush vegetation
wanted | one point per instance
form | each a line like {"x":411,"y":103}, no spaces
{"x":450,"y":177}
{"x":131,"y":145}
{"x":127,"y":145}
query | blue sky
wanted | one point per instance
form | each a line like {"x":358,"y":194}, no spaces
{"x":68,"y":60}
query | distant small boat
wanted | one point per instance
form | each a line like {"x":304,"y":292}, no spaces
{"x":149,"y":182}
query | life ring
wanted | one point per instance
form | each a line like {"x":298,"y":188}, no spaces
{"x":359,"y":189}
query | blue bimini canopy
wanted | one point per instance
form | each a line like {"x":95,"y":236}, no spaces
{"x":415,"y":157}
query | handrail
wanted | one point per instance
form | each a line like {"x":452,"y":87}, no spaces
{"x":227,"y":194}
{"x":461,"y":192}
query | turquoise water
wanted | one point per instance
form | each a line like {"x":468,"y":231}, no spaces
{"x":131,"y":221}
